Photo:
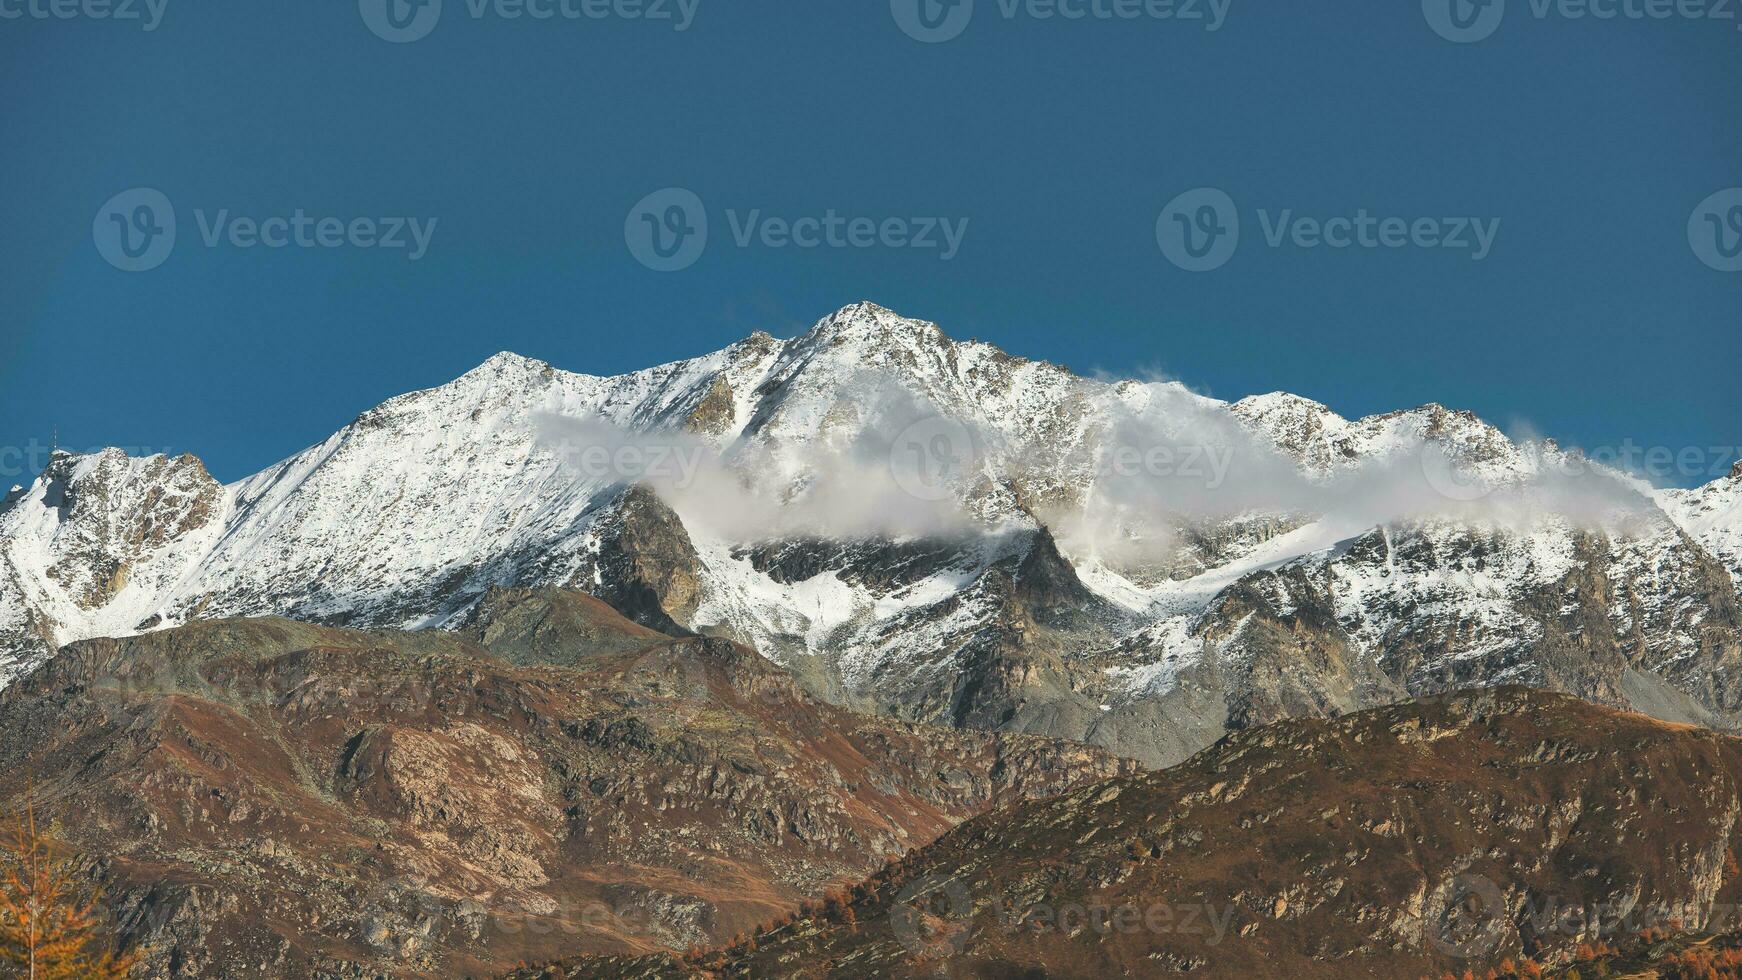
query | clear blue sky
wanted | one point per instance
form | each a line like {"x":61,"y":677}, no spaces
{"x":1060,"y":142}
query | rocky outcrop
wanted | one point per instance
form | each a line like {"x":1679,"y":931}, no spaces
{"x":645,"y":564}
{"x":553,"y":626}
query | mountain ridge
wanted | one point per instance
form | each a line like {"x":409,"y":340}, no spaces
{"x":852,"y":502}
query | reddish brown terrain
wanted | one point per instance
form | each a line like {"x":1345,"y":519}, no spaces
{"x":555,"y":783}
{"x":273,"y":798}
{"x":1507,"y":830}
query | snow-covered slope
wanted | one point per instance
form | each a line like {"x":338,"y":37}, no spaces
{"x":936,"y":529}
{"x":433,"y":496}
{"x":1712,"y":515}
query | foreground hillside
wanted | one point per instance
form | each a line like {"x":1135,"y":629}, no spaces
{"x":267,"y":797}
{"x":1416,"y":840}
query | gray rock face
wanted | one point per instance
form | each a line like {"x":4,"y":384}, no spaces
{"x":645,"y":565}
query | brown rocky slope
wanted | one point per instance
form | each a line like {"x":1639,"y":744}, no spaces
{"x":277,"y":798}
{"x":1420,"y":839}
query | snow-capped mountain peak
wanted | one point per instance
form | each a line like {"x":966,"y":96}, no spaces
{"x":1097,"y":543}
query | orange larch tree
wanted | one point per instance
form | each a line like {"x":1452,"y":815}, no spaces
{"x":49,"y":926}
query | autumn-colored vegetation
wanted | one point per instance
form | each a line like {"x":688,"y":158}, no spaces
{"x":49,"y":927}
{"x":1509,"y":969}
{"x":1701,"y":963}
